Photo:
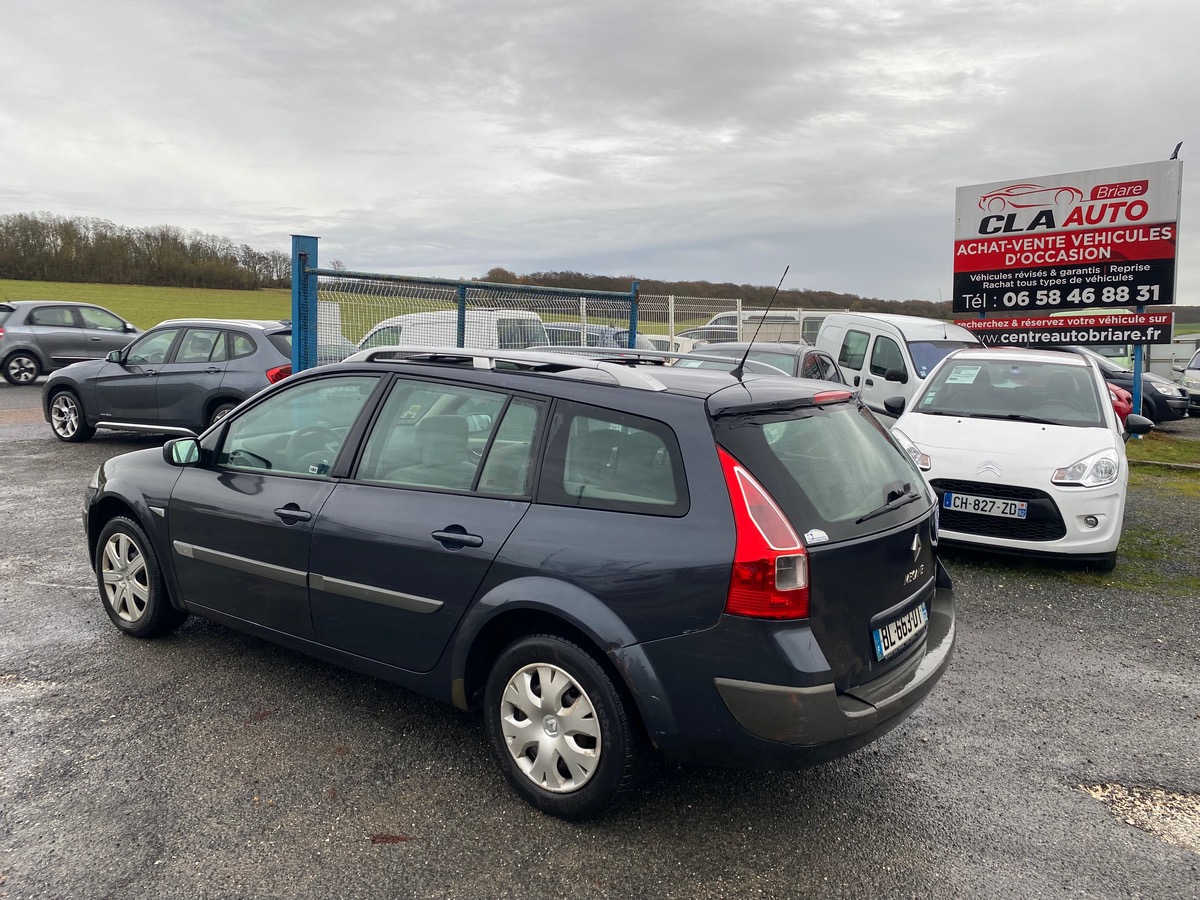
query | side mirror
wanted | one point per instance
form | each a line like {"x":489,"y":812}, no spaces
{"x":182,"y":452}
{"x":130,"y":329}
{"x":897,"y":375}
{"x":1135,"y":424}
{"x":115,"y":356}
{"x":894,"y":405}
{"x":1179,"y":369}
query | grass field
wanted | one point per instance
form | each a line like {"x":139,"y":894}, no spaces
{"x":147,"y":306}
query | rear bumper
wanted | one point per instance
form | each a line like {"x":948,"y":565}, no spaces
{"x":701,"y":713}
{"x":821,"y":716}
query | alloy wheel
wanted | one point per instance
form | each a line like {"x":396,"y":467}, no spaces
{"x":22,"y":369}
{"x":64,"y":415}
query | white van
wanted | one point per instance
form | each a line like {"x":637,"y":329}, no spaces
{"x":886,"y":355}
{"x":783,"y":321}
{"x":485,"y":329}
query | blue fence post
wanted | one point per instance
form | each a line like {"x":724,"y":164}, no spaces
{"x":633,"y":315}
{"x":304,"y":302}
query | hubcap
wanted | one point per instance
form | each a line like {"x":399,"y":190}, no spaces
{"x":550,"y":728}
{"x":22,"y":369}
{"x":64,"y":415}
{"x":126,"y":582}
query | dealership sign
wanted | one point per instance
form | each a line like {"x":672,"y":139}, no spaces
{"x":1047,"y":332}
{"x":1084,"y":240}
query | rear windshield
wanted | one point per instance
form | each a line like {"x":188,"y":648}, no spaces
{"x":282,"y":341}
{"x":927,"y":354}
{"x":5,"y":312}
{"x":829,"y":468}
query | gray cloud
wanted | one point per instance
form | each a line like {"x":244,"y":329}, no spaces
{"x":707,"y":140}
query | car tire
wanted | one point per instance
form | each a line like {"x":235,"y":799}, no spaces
{"x":131,"y":583}
{"x":21,"y":368}
{"x":219,"y":412}
{"x":574,"y":759}
{"x":67,"y":418}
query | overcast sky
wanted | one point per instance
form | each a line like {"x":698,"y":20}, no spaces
{"x":664,"y":139}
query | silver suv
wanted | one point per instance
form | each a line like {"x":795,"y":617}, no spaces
{"x":39,"y":336}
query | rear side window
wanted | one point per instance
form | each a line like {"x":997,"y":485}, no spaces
{"x":53,"y":315}
{"x":244,"y":346}
{"x":827,"y":468}
{"x":280,"y":340}
{"x":201,"y":345}
{"x":604,"y":459}
{"x":854,"y":349}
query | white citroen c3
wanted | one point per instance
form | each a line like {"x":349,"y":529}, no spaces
{"x":1025,"y":452}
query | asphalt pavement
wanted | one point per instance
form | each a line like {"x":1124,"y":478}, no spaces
{"x":215,"y":765}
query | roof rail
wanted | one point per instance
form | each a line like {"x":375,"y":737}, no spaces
{"x":538,"y":362}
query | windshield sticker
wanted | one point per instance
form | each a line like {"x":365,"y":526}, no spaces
{"x":816,"y":536}
{"x":963,"y":375}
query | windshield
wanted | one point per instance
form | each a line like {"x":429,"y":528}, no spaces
{"x":927,"y":354}
{"x":516,"y":334}
{"x":834,"y":466}
{"x":1048,"y":392}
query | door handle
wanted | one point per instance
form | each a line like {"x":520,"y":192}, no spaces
{"x":457,"y":536}
{"x":211,"y":370}
{"x":291,"y":514}
{"x":870,"y":383}
{"x":150,"y":372}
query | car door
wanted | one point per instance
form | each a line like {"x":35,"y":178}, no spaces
{"x":127,"y":391}
{"x":191,"y":375}
{"x":56,"y":329}
{"x":241,"y":527}
{"x":399,"y":552}
{"x":104,"y":331}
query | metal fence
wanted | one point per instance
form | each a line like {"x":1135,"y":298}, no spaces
{"x":335,"y":312}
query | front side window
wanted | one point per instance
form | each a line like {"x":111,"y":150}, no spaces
{"x":100,"y":319}
{"x":151,"y":349}
{"x":885,"y":356}
{"x":604,"y":459}
{"x":854,"y":349}
{"x":298,"y":431}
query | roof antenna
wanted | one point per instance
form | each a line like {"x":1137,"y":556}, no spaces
{"x":1175,"y":152}
{"x":739,"y":370}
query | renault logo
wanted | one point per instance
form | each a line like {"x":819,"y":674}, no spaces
{"x":916,"y":546}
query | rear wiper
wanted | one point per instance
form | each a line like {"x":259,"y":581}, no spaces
{"x":895,"y":500}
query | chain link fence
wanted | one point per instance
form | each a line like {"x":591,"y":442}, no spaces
{"x":336,"y":312}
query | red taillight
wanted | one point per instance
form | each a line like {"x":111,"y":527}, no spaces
{"x":770,"y":565}
{"x":278,"y":373}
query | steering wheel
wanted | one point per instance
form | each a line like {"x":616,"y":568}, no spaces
{"x":311,"y":439}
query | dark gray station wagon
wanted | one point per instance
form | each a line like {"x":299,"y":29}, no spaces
{"x":605,"y":558}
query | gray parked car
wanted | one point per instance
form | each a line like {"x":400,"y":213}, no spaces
{"x":39,"y":336}
{"x":179,"y":377}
